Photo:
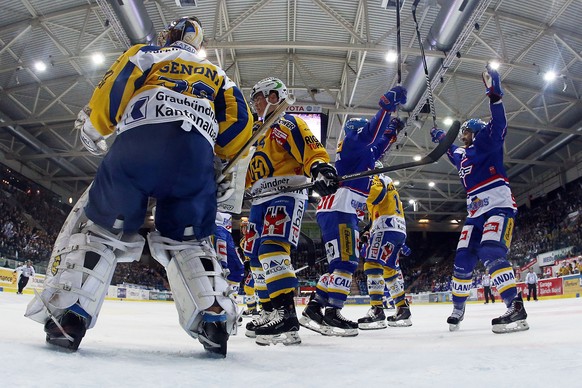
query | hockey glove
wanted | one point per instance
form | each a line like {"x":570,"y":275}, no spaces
{"x":326,"y":179}
{"x":492,"y":84}
{"x":224,"y":183}
{"x":394,"y":97}
{"x":396,"y":125}
{"x":405,"y":250}
{"x":93,"y":141}
{"x":437,"y":135}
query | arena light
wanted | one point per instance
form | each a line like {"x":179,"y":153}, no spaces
{"x":396,"y":183}
{"x":550,"y":75}
{"x":98,"y":58}
{"x":70,"y":199}
{"x":202,"y":53}
{"x":411,"y":201}
{"x":417,"y":157}
{"x":494,"y":65}
{"x":430,"y":184}
{"x":423,"y":221}
{"x":40,"y":66}
{"x":448,"y":121}
{"x":391,"y":56}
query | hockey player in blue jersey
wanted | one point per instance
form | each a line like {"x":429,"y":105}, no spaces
{"x":338,"y":214}
{"x":487,"y":232}
{"x":226,"y":251}
{"x":173,"y":112}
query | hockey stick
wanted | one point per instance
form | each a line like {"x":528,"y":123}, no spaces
{"x":275,"y":115}
{"x":306,"y":266}
{"x":430,"y":158}
{"x":428,"y":85}
{"x":398,"y":44}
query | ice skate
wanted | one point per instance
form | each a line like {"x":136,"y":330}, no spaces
{"x":212,"y":333}
{"x":264,"y":317}
{"x":66,"y":331}
{"x":312,"y":318}
{"x":250,"y":313}
{"x":283,"y":328}
{"x":456,"y":317}
{"x":514,"y":319}
{"x":338,"y":325}
{"x":375,"y":319}
{"x":401,"y":318}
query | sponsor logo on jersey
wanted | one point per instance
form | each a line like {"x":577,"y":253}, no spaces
{"x":286,"y":123}
{"x":347,"y":238}
{"x":476,"y":204}
{"x":339,"y":282}
{"x":276,"y":265}
{"x":502,"y":280}
{"x":296,"y":222}
{"x":54,"y":265}
{"x":279,"y":136}
{"x":326,"y":202}
{"x":276,"y":218}
{"x":491,"y":227}
{"x":221,"y":249}
{"x":508,"y":232}
{"x":461,"y":287}
{"x":312,"y":142}
{"x":331,"y":250}
{"x":182,"y":68}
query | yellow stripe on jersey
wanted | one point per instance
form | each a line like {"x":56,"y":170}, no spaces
{"x":287,"y":148}
{"x":144,"y":68}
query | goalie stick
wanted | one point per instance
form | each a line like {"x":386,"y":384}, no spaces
{"x":276,"y":115}
{"x":430,"y":158}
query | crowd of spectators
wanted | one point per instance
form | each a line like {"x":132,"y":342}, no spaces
{"x":30,"y":219}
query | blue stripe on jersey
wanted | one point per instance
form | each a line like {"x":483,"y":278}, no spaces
{"x":488,"y":185}
{"x":297,"y":136}
{"x":116,"y":93}
{"x":271,"y":248}
{"x":235,"y":129}
{"x":380,"y":196}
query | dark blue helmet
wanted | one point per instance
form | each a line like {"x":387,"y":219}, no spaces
{"x":473,"y":125}
{"x":355,"y":124}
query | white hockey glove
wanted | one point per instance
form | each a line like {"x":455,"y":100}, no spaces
{"x":224,"y":183}
{"x":93,"y":141}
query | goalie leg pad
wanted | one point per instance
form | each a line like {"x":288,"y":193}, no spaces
{"x":198,"y":282}
{"x":80,"y":272}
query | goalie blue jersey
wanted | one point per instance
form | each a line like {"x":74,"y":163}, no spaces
{"x":481,"y":167}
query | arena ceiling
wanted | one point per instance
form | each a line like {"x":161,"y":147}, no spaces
{"x":330,"y":54}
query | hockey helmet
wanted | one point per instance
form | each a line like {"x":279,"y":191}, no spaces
{"x":268,"y":85}
{"x":378,"y":164}
{"x":354,"y":125}
{"x":473,"y":125}
{"x":187,"y":29}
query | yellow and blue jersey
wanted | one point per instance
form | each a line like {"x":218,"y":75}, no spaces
{"x":385,"y":207}
{"x":163,"y":84}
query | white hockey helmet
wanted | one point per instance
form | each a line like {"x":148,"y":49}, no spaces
{"x":268,"y":85}
{"x":187,"y":29}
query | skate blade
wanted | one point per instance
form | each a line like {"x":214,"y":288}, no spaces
{"x":454,"y":326}
{"x":520,"y":325}
{"x":63,"y":343}
{"x":373,"y":325}
{"x":339,"y":332}
{"x":289,"y":338}
{"x":312,"y":325}
{"x":250,"y":334}
{"x":401,"y":323}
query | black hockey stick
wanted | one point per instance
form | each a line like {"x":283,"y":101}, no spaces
{"x":428,"y":84}
{"x":398,"y":44}
{"x":430,"y":158}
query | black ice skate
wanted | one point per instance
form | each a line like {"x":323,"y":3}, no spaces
{"x":375,"y":319}
{"x":250,"y":313}
{"x":401,"y":318}
{"x":513,"y":319}
{"x":212,"y":333}
{"x":66,"y":331}
{"x":456,"y":317}
{"x":264,"y":317}
{"x":312,"y":318}
{"x":283,"y":328}
{"x":338,"y":324}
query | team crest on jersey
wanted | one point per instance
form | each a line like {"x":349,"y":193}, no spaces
{"x":250,"y":237}
{"x":386,"y":252}
{"x":464,"y":171}
{"x":276,"y":219}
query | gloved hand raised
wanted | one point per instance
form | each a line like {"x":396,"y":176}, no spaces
{"x":393,"y":98}
{"x":396,"y":125}
{"x":405,"y":250}
{"x":437,"y":135}
{"x":492,"y":84}
{"x":93,"y":141}
{"x":326,"y":178}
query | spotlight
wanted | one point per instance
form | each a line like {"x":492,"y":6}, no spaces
{"x":494,"y":65}
{"x":391,"y":56}
{"x":202,"y":53}
{"x":417,"y":157}
{"x":550,"y":75}
{"x":448,"y":121}
{"x":40,"y":66}
{"x":98,"y":58}
{"x":430,"y":184}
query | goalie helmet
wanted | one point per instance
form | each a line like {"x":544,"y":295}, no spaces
{"x":187,"y":29}
{"x":354,"y":125}
{"x":473,"y":125}
{"x":268,"y":85}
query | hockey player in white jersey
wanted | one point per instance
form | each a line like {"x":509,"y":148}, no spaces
{"x":338,"y":214}
{"x":487,"y":232}
{"x":173,"y":111}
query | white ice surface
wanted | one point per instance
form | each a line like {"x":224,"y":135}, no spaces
{"x":140,"y":344}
